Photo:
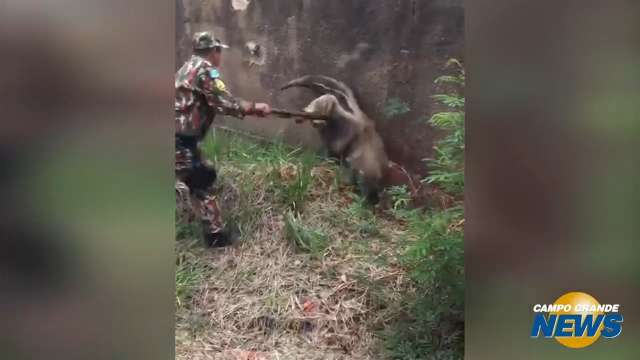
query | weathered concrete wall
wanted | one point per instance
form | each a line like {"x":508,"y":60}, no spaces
{"x":385,"y":49}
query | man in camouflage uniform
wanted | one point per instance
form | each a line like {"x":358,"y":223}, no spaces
{"x":200,"y":95}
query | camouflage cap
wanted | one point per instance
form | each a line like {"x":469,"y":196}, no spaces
{"x":206,"y":40}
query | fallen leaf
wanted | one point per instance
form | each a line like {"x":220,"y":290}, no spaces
{"x":308,"y":306}
{"x":288,"y":172}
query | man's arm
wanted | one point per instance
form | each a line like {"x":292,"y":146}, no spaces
{"x":221,"y":99}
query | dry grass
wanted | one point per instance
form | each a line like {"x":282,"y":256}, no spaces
{"x":267,"y":297}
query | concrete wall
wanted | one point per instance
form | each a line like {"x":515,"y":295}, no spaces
{"x":385,"y":49}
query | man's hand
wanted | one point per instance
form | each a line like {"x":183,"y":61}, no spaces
{"x":318,"y":123}
{"x":257,"y":109}
{"x":262,"y":109}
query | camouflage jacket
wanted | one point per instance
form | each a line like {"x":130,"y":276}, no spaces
{"x":200,"y":95}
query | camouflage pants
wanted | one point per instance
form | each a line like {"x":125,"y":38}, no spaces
{"x":195,"y":177}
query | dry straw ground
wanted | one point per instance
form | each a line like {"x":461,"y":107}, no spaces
{"x":313,"y":275}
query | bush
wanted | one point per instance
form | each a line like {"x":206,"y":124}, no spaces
{"x":446,"y":169}
{"x":432,"y":326}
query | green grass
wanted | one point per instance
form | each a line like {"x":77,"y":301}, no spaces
{"x":289,"y":167}
{"x":223,"y":145}
{"x":293,"y":192}
{"x":190,"y":273}
{"x":435,"y":261}
{"x":188,"y":231}
{"x":304,"y":237}
{"x":362,"y":218}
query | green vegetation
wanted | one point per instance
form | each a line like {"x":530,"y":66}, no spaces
{"x":447,"y":167}
{"x":293,"y":181}
{"x":303,"y":237}
{"x":432,"y":327}
{"x":401,"y":199}
{"x":289,"y":169}
{"x":433,"y":324}
{"x":189,"y":273}
{"x":395,"y":107}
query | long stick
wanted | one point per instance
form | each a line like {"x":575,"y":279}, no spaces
{"x":298,"y":114}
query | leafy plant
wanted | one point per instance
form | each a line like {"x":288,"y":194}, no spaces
{"x":395,"y":107}
{"x":400,"y":197}
{"x":453,"y":101}
{"x":446,"y":168}
{"x":432,"y":327}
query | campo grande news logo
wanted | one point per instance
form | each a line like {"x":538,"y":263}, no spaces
{"x":576,"y":320}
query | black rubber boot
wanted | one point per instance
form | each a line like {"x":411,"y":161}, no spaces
{"x":217,"y":240}
{"x":373,"y":197}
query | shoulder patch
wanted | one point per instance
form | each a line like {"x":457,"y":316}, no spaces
{"x":220,"y":85}
{"x":214,"y":73}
